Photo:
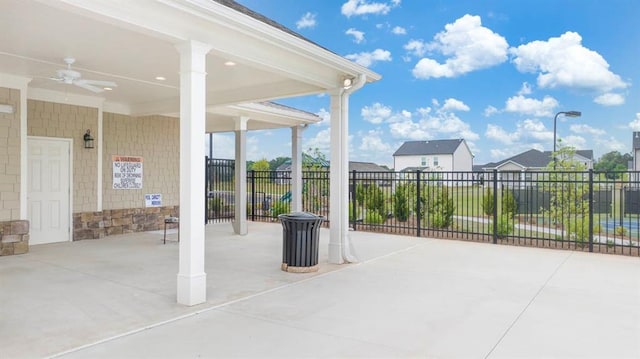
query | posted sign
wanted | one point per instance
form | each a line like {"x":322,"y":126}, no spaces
{"x":153,"y":200}
{"x":127,"y":172}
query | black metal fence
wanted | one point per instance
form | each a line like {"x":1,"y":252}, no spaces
{"x":587,"y":211}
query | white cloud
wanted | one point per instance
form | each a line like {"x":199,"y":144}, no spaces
{"x":321,"y":141}
{"x":497,"y":133}
{"x":367,"y":59}
{"x":564,"y":62}
{"x":525,"y":89}
{"x":609,"y":99}
{"x":438,"y":124}
{"x":490,"y":111}
{"x":451,"y":104}
{"x":358,"y":36}
{"x":610,"y":144}
{"x":526,"y":134}
{"x":468,"y":45}
{"x":307,"y":20}
{"x":582,"y":128}
{"x":399,"y":30}
{"x":416,"y":47}
{"x":372,"y":142}
{"x":376,"y":113}
{"x":530,"y":106}
{"x":577,"y":142}
{"x":364,"y":7}
{"x":325,"y":117}
{"x":635,"y":123}
{"x":223,"y":145}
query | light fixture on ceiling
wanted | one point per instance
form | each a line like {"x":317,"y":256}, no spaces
{"x":107,"y":88}
{"x":229,"y":63}
{"x":161,"y":78}
{"x":88,"y":140}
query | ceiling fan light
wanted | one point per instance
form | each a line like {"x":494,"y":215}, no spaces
{"x":107,"y":88}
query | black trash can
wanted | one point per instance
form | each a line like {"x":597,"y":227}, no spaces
{"x":300,"y":241}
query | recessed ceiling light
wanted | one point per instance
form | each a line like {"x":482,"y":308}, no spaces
{"x":107,"y":88}
{"x":230,"y":63}
{"x":160,"y":78}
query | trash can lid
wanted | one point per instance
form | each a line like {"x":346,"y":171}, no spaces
{"x":299,"y":215}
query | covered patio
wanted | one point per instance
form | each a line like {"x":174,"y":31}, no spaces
{"x":408,"y":297}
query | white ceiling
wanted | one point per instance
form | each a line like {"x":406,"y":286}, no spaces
{"x":132,"y":42}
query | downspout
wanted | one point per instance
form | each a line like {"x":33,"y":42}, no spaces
{"x":348,"y":253}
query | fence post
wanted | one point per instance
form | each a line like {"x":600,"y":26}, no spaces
{"x":353,"y":217}
{"x":418,"y":204}
{"x":253,"y":195}
{"x":495,"y":206}
{"x":590,"y":210}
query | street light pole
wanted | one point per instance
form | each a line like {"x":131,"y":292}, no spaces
{"x":555,"y":119}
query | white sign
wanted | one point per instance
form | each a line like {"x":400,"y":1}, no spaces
{"x":153,"y":200}
{"x":127,"y":172}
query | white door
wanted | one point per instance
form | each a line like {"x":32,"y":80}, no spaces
{"x":49,"y":190}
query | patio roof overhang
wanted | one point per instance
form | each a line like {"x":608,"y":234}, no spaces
{"x":132,"y":43}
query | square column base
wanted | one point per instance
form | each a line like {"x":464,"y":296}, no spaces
{"x":192,"y":289}
{"x":335,"y":253}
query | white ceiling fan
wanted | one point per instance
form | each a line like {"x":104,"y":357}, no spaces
{"x":72,"y":77}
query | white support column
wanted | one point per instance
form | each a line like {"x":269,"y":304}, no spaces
{"x":296,"y":168}
{"x":240,"y":219}
{"x":339,"y":177}
{"x":99,"y":159}
{"x":192,"y":280}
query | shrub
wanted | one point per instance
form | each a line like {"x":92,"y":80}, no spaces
{"x":373,"y":217}
{"x":215,"y":205}
{"x":505,"y":225}
{"x":279,"y":208}
{"x":400,"y":203}
{"x":440,"y":207}
{"x":488,"y":204}
{"x":620,"y":231}
{"x":509,"y":204}
{"x":353,"y":216}
{"x":374,"y":199}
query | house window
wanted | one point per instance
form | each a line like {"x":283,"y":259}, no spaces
{"x":423,"y":162}
{"x":435,"y":161}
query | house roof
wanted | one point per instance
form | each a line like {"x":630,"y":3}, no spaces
{"x":534,"y":159}
{"x":431,"y":147}
{"x":366,"y":167}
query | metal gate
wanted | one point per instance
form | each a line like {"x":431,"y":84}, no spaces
{"x":219,"y":190}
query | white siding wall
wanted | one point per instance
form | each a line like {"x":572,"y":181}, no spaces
{"x":463,"y":159}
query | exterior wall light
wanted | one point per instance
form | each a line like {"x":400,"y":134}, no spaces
{"x":88,"y":140}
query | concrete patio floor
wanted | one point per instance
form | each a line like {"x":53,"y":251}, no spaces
{"x":408,"y":297}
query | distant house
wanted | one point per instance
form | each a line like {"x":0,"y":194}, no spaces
{"x":369,"y":172}
{"x":434,"y":156}
{"x":523,"y":165}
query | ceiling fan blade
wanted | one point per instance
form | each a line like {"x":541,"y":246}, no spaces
{"x":55,"y":79}
{"x":99,"y":83}
{"x":86,"y":86}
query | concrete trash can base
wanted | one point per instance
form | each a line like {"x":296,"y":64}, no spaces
{"x":300,"y":241}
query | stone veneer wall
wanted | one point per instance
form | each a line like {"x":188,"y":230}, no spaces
{"x":10,"y":156}
{"x":14,"y":237}
{"x":154,"y":138}
{"x":94,"y":225}
{"x":50,"y":119}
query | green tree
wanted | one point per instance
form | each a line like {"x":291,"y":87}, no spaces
{"x":569,"y":207}
{"x":613,"y":161}
{"x":488,"y":204}
{"x":400,"y":203}
{"x":276,"y":162}
{"x":261,"y":165}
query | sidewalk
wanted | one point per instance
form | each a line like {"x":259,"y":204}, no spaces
{"x":409,"y":297}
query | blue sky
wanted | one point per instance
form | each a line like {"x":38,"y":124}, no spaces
{"x":492,"y":72}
